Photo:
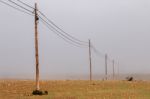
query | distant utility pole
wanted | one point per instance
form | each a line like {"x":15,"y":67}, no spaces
{"x":90,"y":60}
{"x":118,"y":72}
{"x":106,"y":58}
{"x":113,"y":64}
{"x":36,"y":48}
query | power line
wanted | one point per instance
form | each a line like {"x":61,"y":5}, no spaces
{"x":15,"y":8}
{"x":25,"y":4}
{"x":54,"y":28}
{"x":62,"y":29}
{"x":62,"y":37}
{"x":53,"y":23}
{"x":61,"y":33}
{"x":58,"y":34}
{"x":96,"y":51}
{"x":20,"y":6}
{"x":99,"y":53}
{"x":65,"y":37}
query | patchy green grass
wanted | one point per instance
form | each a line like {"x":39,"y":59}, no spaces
{"x":78,"y":89}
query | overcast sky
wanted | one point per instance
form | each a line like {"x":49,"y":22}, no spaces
{"x":120,"y":28}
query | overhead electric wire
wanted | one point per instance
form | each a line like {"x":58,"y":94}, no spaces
{"x":62,"y":35}
{"x":15,"y":8}
{"x":62,"y":29}
{"x":26,"y":4}
{"x":97,"y":52}
{"x":20,"y":6}
{"x":53,"y":27}
{"x":67,"y":36}
{"x":46,"y":24}
{"x":59,"y":29}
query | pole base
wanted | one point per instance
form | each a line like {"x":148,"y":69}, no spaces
{"x":39,"y":92}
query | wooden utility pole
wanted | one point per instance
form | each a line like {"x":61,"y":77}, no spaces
{"x":37,"y":91}
{"x":118,"y":72}
{"x":113,"y":64}
{"x":36,"y":48}
{"x":90,"y":60}
{"x":106,"y":57}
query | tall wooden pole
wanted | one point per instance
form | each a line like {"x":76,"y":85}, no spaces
{"x":118,"y":72}
{"x":106,"y":57}
{"x":90,"y":60}
{"x":113,"y":63}
{"x":36,"y":48}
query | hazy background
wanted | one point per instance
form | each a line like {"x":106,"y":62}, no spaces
{"x":117,"y":27}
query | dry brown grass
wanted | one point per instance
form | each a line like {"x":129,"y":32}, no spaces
{"x":22,"y":89}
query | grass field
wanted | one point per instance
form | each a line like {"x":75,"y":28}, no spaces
{"x":19,"y":89}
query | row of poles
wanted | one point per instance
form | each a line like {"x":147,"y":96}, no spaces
{"x":106,"y":64}
{"x":37,"y":51}
{"x":37,"y":55}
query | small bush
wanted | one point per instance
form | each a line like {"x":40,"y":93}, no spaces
{"x":39,"y":92}
{"x":129,"y":78}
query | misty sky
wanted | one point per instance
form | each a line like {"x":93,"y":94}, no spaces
{"x":120,"y":28}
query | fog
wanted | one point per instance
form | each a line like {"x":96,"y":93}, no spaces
{"x":119,"y":28}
